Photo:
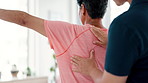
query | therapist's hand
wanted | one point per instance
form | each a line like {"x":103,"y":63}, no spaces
{"x":84,"y":66}
{"x":101,"y":35}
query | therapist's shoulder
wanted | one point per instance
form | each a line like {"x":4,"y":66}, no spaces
{"x":121,"y":22}
{"x":120,"y":19}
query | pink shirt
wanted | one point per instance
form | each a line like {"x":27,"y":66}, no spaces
{"x":68,"y":40}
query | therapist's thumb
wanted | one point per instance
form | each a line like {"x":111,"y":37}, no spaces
{"x":92,"y":54}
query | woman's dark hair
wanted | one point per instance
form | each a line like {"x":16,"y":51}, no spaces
{"x":95,"y":8}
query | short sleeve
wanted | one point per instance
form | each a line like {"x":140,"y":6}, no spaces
{"x":122,"y":49}
{"x":60,"y":34}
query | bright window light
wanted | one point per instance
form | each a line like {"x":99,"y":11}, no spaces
{"x":13,"y":41}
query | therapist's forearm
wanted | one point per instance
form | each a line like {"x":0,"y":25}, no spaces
{"x":96,"y":75}
{"x":13,"y":16}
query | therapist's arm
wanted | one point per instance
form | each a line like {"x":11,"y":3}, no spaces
{"x":110,"y":78}
{"x":23,"y":19}
{"x":121,"y":56}
{"x":87,"y":66}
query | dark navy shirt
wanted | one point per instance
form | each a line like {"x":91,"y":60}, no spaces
{"x":127,"y":50}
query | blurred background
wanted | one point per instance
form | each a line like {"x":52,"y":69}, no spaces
{"x":27,"y":53}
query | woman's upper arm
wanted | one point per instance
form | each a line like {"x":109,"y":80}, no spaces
{"x":34,"y":23}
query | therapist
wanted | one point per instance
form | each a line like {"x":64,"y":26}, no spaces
{"x":127,"y":49}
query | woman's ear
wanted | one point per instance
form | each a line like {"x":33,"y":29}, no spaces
{"x":83,"y":10}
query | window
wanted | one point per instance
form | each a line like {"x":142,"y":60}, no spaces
{"x":13,"y":41}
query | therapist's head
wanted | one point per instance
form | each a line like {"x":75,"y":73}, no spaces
{"x":121,"y":2}
{"x":92,"y":9}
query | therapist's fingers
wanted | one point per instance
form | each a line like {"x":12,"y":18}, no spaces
{"x":92,"y":54}
{"x":74,"y":63}
{"x":76,"y":58}
{"x":97,"y":32}
{"x":101,"y":35}
{"x":76,"y":70}
{"x":98,"y":43}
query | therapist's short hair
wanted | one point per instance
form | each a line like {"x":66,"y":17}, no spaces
{"x":95,"y":8}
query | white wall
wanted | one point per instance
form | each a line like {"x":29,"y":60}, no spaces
{"x":63,"y":7}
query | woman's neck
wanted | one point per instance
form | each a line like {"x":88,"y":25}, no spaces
{"x":95,"y":22}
